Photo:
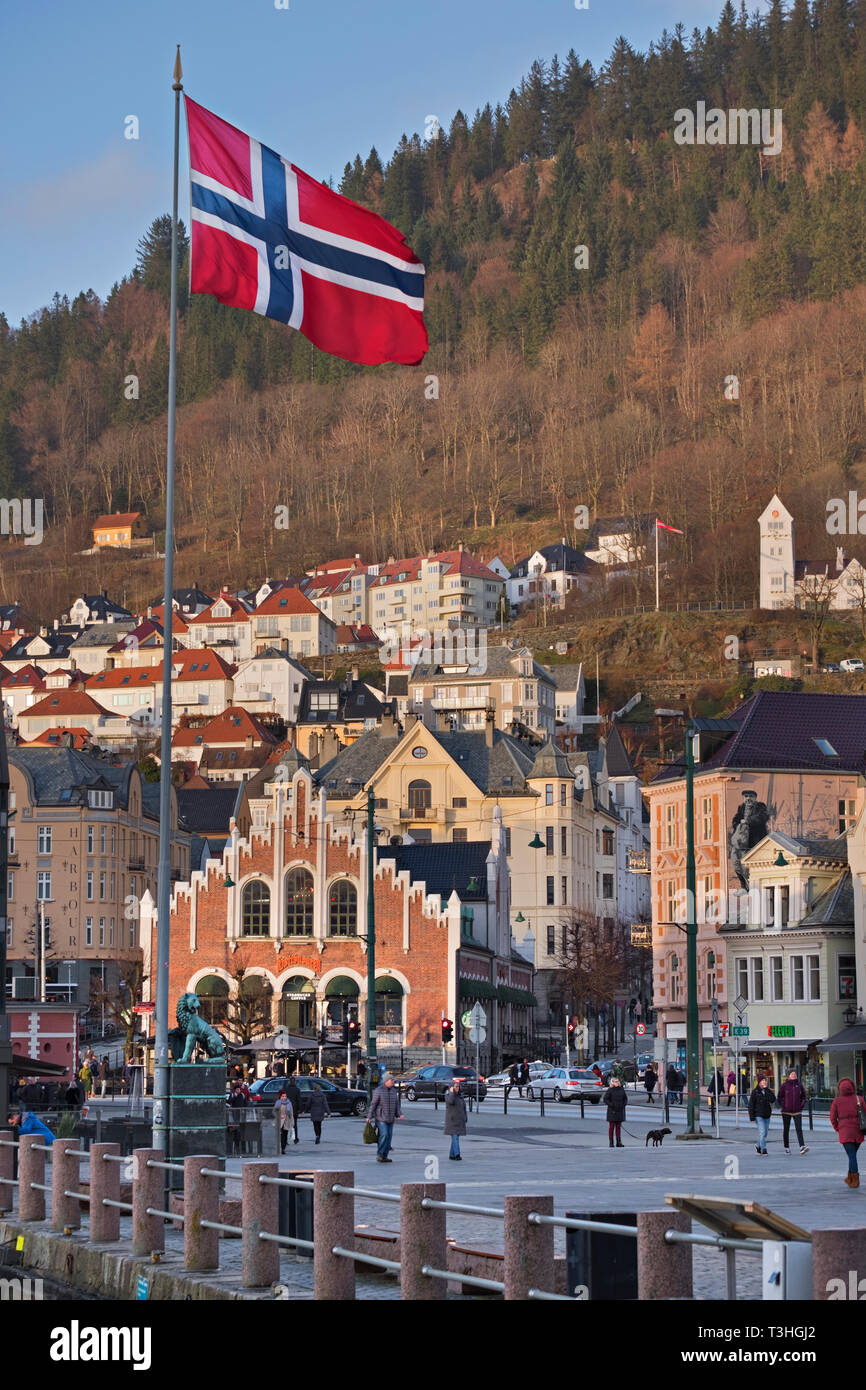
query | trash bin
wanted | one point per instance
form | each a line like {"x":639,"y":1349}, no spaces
{"x":295,"y":1216}
{"x":605,"y":1264}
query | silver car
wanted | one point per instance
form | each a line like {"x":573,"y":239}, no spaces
{"x":566,"y":1084}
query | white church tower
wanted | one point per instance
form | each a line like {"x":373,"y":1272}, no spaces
{"x":777,"y":556}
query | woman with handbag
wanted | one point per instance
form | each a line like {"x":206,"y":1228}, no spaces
{"x":848,"y":1118}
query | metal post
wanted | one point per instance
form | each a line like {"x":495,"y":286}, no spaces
{"x":693,"y":1114}
{"x":567,"y":1046}
{"x":372,"y":1060}
{"x":160,"y":980}
{"x":5,"y":1030}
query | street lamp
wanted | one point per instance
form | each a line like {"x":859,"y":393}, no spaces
{"x":693,"y":1034}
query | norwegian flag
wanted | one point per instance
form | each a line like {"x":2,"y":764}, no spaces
{"x":268,"y":237}
{"x":661,"y":526}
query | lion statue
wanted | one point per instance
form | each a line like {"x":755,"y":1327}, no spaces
{"x":196,"y":1030}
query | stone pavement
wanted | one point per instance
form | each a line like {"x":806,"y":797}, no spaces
{"x":570,"y":1158}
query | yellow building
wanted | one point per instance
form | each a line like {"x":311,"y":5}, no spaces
{"x":121,"y":529}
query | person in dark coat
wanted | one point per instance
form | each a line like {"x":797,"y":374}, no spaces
{"x":385,"y":1110}
{"x":761,"y":1103}
{"x":649,"y":1080}
{"x":792,"y":1098}
{"x":671,"y":1082}
{"x":845,"y":1119}
{"x":616,"y":1100}
{"x":455,"y":1117}
{"x":319,"y":1108}
{"x":514,"y":1080}
{"x":294,"y":1097}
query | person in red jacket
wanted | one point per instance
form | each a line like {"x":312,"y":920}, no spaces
{"x":792,"y":1098}
{"x":845,"y":1120}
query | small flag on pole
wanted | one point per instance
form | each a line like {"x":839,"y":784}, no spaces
{"x":268,"y":237}
{"x":662,"y":527}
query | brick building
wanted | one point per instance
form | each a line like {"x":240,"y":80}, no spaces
{"x":290,"y":926}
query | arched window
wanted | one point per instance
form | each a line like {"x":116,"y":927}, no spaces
{"x":256,"y":909}
{"x":299,"y":903}
{"x":389,"y":1003}
{"x":214,"y":995}
{"x":341,"y":995}
{"x":297,"y":1012}
{"x":419,"y":796}
{"x":343,"y":909}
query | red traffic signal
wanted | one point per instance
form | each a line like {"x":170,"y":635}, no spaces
{"x":447,"y":1030}
{"x":354,"y":1030}
{"x":571,"y":1028}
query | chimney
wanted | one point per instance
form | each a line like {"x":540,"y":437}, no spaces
{"x":354,"y":673}
{"x":489,"y":728}
{"x":460,"y":545}
{"x":68,"y":740}
{"x":840,"y":559}
{"x":331,"y":746}
{"x":248,"y":743}
{"x":387,"y":725}
{"x":443,"y":722}
{"x":105,"y":593}
{"x":56,"y":624}
{"x":150,"y":610}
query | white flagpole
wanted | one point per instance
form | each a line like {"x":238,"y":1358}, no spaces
{"x":163,"y":890}
{"x":657,"y":564}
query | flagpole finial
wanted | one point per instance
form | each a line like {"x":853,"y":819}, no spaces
{"x":178,"y":73}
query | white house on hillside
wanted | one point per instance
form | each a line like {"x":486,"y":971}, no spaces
{"x":785,"y":580}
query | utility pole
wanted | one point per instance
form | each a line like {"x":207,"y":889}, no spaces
{"x":5,"y":1031}
{"x":372,"y":1063}
{"x":693,"y":1041}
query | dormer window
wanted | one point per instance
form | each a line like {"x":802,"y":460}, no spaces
{"x":100,"y":800}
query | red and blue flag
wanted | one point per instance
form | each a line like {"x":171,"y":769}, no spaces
{"x":268,"y":237}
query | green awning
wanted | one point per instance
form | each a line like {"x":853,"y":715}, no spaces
{"x":475,"y":989}
{"x":341,"y":985}
{"x":509,"y":994}
{"x":386,"y":984}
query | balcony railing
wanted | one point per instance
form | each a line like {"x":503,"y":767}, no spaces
{"x":416,"y":812}
{"x":135,"y":863}
{"x":463,"y":702}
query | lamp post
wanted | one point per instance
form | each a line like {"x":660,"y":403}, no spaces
{"x":372,"y":1064}
{"x":693,"y":1077}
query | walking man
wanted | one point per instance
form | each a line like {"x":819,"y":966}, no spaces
{"x":792,"y":1098}
{"x":649,"y":1081}
{"x":761,"y":1103}
{"x":294,"y":1097}
{"x":103,"y":1075}
{"x":455,"y":1117}
{"x":671,"y":1083}
{"x":385,"y":1110}
{"x":514,"y":1080}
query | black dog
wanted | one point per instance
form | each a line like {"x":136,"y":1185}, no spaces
{"x":657,"y":1136}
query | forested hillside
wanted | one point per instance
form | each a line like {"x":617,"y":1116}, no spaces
{"x":603,"y":385}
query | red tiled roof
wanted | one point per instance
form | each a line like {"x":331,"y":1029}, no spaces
{"x":68,"y":702}
{"x":239,"y":613}
{"x":53,"y":738}
{"x":287,"y":601}
{"x":116,"y":519}
{"x":29,"y":676}
{"x":234,"y":725}
{"x":356,"y":632}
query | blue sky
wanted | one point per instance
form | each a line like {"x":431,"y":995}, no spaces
{"x":317,"y":82}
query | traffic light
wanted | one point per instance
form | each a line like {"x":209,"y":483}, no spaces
{"x":345,"y":1032}
{"x":321,"y":1036}
{"x":447,"y":1030}
{"x":354,"y":1031}
{"x":571,"y":1029}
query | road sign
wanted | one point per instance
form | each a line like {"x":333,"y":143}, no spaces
{"x":640,"y":1029}
{"x":477,"y":1035}
{"x":466,"y":1018}
{"x":477,"y":1017}
{"x":740,"y":1003}
{"x":739,"y":1032}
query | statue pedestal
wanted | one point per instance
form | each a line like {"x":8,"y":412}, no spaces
{"x":197,"y":1111}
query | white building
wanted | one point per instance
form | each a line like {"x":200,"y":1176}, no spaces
{"x":270,"y":683}
{"x":785,"y":581}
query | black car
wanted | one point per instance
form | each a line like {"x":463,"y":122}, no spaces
{"x":425,"y":1082}
{"x":341,"y":1100}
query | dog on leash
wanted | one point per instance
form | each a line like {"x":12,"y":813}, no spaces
{"x":657,"y":1136}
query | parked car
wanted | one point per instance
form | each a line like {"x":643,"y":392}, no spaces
{"x":423,"y":1083}
{"x":831,"y":668}
{"x":852,"y":663}
{"x":566,"y":1084}
{"x":642,"y":1059}
{"x":341,"y":1100}
{"x":628,"y":1069}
